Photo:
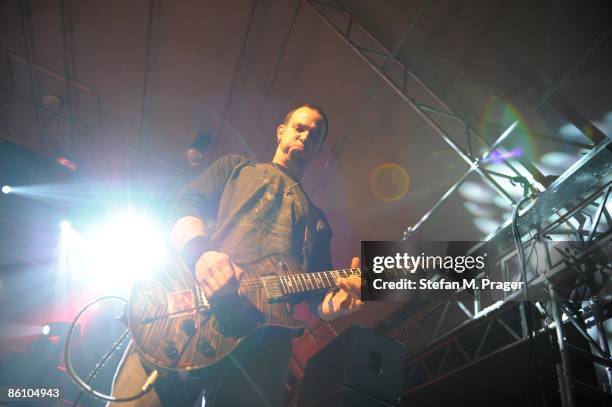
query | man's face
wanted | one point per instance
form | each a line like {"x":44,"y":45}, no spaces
{"x":301,"y":138}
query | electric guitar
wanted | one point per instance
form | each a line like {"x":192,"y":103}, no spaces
{"x":176,"y":328}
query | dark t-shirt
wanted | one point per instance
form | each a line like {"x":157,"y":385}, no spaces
{"x":255,"y":209}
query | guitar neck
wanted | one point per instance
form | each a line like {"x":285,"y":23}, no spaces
{"x":307,"y":282}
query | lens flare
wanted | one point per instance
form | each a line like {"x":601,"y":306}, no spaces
{"x":389,"y":182}
{"x":497,"y":117}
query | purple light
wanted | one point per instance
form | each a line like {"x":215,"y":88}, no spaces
{"x":498,"y":157}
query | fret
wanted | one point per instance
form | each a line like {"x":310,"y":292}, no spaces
{"x":318,"y":279}
{"x":284,"y":288}
{"x":336,"y":275}
{"x":302,"y":282}
{"x":295,"y":281}
{"x":291,"y":283}
{"x":295,"y":284}
{"x":313,"y":276}
{"x":305,"y":282}
{"x":300,"y":278}
{"x":329,"y":283}
{"x":290,"y":288}
{"x":312,"y":287}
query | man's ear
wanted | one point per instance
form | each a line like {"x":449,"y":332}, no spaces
{"x":279,"y":132}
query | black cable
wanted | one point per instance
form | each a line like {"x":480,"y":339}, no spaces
{"x":101,"y":364}
{"x":85,"y":386}
{"x":519,"y":246}
{"x":529,"y":193}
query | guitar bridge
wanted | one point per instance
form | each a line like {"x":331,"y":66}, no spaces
{"x":202,"y":301}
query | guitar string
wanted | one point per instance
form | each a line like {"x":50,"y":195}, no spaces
{"x":306,"y":279}
{"x":306,"y":276}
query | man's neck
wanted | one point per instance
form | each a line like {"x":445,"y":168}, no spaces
{"x":291,"y":167}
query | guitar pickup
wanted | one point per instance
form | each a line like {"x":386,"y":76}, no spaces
{"x":273,"y":288}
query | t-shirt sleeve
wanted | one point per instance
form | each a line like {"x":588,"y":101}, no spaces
{"x":201,"y":196}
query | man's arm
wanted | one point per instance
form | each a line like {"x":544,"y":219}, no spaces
{"x":185,"y":229}
{"x":213,"y":270}
{"x":189,"y":235}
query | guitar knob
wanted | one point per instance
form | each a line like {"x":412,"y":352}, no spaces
{"x":171,"y":351}
{"x":205,"y":348}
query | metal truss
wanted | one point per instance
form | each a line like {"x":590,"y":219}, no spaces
{"x":382,"y":61}
{"x":449,"y":336}
{"x":487,"y":336}
{"x":41,"y":111}
{"x":372,"y":52}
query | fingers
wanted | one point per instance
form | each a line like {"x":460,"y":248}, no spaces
{"x":355,"y":263}
{"x":202,"y":273}
{"x":215,"y":271}
{"x":352,"y":285}
{"x":346,"y":302}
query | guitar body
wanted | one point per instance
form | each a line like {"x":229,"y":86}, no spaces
{"x":175,"y":328}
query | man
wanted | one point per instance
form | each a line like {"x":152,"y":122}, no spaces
{"x":236,"y":212}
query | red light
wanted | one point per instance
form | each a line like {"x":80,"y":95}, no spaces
{"x":64,"y":162}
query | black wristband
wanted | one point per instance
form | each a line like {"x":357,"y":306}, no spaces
{"x":193,"y":249}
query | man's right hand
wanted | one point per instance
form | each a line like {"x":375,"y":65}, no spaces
{"x":215,"y":271}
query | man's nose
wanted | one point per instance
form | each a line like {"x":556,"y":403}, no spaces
{"x":304,"y":135}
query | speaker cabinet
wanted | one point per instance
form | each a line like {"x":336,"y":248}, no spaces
{"x":358,"y":363}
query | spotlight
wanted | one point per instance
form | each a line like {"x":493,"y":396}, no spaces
{"x":65,"y":226}
{"x":130,"y":244}
{"x":59,"y":328}
{"x":6,"y":189}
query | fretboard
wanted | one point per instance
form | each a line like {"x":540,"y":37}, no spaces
{"x":306,"y":282}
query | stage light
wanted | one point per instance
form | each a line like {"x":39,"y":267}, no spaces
{"x":59,"y":328}
{"x":12,"y":330}
{"x":6,"y":189}
{"x":65,"y":226}
{"x":126,"y":247}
